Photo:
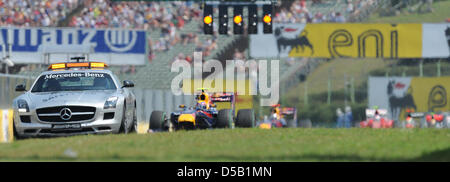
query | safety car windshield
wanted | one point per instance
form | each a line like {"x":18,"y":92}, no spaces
{"x":74,"y":82}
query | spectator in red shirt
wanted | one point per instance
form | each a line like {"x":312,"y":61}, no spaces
{"x":303,"y":3}
{"x":180,"y":23}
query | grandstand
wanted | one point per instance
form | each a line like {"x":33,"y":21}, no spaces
{"x":157,"y":72}
{"x":36,"y":13}
{"x":166,"y":45}
{"x":170,"y":40}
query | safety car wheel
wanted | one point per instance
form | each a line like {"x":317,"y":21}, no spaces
{"x":134,"y":126}
{"x":124,"y":124}
{"x":15,"y":134}
{"x":245,"y":118}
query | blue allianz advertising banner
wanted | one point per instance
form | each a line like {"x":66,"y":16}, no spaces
{"x":113,"y":46}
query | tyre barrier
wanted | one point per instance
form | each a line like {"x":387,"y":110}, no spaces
{"x":6,"y":126}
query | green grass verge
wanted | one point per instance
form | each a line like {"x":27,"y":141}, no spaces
{"x":242,"y":145}
{"x":440,"y":14}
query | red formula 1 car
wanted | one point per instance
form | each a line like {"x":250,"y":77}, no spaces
{"x":376,"y":118}
{"x":412,"y":118}
{"x":435,"y":120}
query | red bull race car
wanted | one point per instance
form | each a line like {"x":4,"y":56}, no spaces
{"x":278,"y":117}
{"x":376,"y":118}
{"x":203,"y":115}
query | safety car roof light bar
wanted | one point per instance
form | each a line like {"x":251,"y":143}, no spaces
{"x":88,"y":65}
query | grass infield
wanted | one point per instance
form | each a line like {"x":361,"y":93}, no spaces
{"x":293,"y":144}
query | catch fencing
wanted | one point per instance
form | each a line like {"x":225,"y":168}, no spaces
{"x":8,"y":84}
{"x":148,"y":100}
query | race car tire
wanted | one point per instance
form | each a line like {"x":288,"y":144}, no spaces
{"x":291,"y":124}
{"x":305,"y":123}
{"x":173,"y":121}
{"x":245,"y":118}
{"x":224,"y":118}
{"x":157,"y":119}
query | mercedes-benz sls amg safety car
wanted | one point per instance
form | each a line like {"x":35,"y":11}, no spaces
{"x":75,"y":98}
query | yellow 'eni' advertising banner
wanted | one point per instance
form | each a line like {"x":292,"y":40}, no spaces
{"x":359,"y":40}
{"x":353,"y":40}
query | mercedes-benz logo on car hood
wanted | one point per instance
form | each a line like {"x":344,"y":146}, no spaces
{"x":65,"y":114}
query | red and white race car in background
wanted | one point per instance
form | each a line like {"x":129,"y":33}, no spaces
{"x":376,"y":118}
{"x":428,"y":120}
{"x":436,"y":120}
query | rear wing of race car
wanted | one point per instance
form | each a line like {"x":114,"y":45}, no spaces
{"x":371,"y":112}
{"x":417,"y":114}
{"x":291,"y":111}
{"x":225,"y":97}
{"x":222,"y":97}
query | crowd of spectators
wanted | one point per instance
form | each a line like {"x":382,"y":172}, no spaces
{"x":135,"y":14}
{"x":411,"y":6}
{"x":164,"y":17}
{"x":35,"y":13}
{"x":300,"y":11}
{"x":205,"y":47}
{"x":168,"y":17}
